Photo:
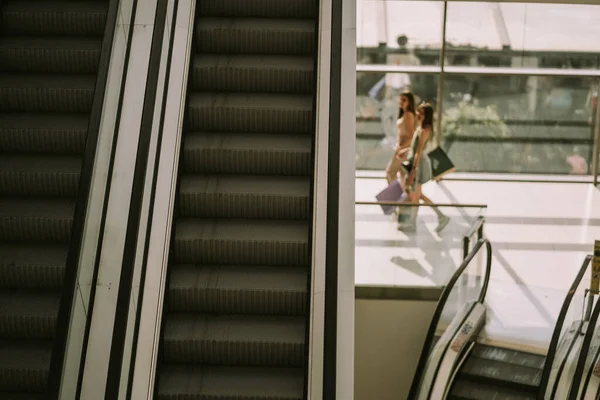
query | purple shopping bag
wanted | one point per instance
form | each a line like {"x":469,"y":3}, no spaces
{"x":393,"y":192}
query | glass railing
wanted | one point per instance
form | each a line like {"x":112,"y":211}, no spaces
{"x":467,"y":285}
{"x":568,"y":324}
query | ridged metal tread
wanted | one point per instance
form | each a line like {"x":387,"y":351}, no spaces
{"x":258,"y":340}
{"x":255,"y":36}
{"x":49,"y":133}
{"x":508,"y":356}
{"x":238,"y":196}
{"x":252,"y":113}
{"x":28,"y":314}
{"x":258,"y":8}
{"x":232,"y":383}
{"x":465,"y":390}
{"x":241,"y":242}
{"x":39,"y":175}
{"x":246,"y":153}
{"x":236,"y":289}
{"x":54,"y":18}
{"x":47,"y":92}
{"x":49,"y":54}
{"x":36,"y":220}
{"x":24,"y":265}
{"x":24,"y":365}
{"x":252,"y":73}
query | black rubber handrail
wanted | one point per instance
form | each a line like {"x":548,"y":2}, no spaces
{"x":442,"y":303}
{"x":69,"y":284}
{"x":556,"y":335}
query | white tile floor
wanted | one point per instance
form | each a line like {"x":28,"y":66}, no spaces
{"x":540,"y":233}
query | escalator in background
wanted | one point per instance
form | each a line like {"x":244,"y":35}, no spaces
{"x":49,"y":60}
{"x":235,"y":313}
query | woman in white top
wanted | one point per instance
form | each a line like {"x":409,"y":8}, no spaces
{"x":405,"y":126}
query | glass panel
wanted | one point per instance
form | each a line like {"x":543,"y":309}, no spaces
{"x":377,"y":111}
{"x":519,"y":124}
{"x":398,"y":32}
{"x":523,"y":35}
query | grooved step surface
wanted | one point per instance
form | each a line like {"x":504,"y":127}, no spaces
{"x":255,"y":36}
{"x":251,"y":73}
{"x":184,"y":382}
{"x":38,"y":220}
{"x":39,"y":175}
{"x":24,"y":365}
{"x":55,"y":133}
{"x":28,"y":314}
{"x":49,"y":54}
{"x":274,"y":290}
{"x":60,"y":93}
{"x":30,"y":266}
{"x":54,"y":18}
{"x":256,"y":113}
{"x":245,"y":153}
{"x":244,"y":197}
{"x":253,"y":242}
{"x":234,"y":340}
{"x":465,"y":390}
{"x":258,"y":8}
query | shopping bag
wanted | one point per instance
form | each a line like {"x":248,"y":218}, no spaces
{"x":440,"y":163}
{"x":393,"y":192}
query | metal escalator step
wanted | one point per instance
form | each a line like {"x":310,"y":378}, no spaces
{"x":249,"y":73}
{"x":253,"y":113}
{"x":466,"y":390}
{"x":28,"y":314}
{"x":508,"y":375}
{"x":60,"y":17}
{"x":274,"y":290}
{"x":227,"y":196}
{"x":39,"y":175}
{"x":257,"y":340}
{"x":255,"y":36}
{"x":247,"y":383}
{"x":241,"y":242}
{"x":43,"y":133}
{"x":258,"y":8}
{"x":245,"y":153}
{"x":50,"y":55}
{"x":61,"y":93}
{"x":508,"y":356}
{"x":32,"y":266}
{"x":42,"y":219}
{"x":24,"y":365}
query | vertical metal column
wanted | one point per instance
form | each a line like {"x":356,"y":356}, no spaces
{"x":596,"y":136}
{"x":440,"y":92}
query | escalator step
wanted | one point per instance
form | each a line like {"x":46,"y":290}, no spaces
{"x":43,"y":133}
{"x":31,"y":265}
{"x":39,"y":175}
{"x":247,"y":383}
{"x":24,"y":365}
{"x":510,"y":375}
{"x":50,"y":55}
{"x":241,"y":242}
{"x":28,"y":314}
{"x":255,"y":36}
{"x":276,"y":341}
{"x":466,"y":390}
{"x":244,"y":153}
{"x":508,"y":356}
{"x":44,"y":18}
{"x":250,"y":73}
{"x":253,"y":113}
{"x":60,"y":93}
{"x":41,"y":220}
{"x":225,"y":289}
{"x":227,"y":196}
{"x":258,"y":8}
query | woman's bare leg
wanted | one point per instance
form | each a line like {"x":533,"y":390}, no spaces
{"x":442,"y":219}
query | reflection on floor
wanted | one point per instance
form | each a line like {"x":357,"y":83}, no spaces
{"x":541,"y":233}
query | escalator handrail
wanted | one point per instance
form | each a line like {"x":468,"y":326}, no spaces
{"x":442,"y":303}
{"x":553,"y":346}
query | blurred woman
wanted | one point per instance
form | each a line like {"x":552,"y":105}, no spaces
{"x":405,"y":126}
